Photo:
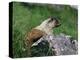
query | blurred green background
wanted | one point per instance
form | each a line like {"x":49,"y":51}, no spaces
{"x":26,"y":16}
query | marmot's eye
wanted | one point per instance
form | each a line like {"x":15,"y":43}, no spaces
{"x":52,"y":19}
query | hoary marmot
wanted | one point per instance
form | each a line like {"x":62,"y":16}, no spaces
{"x":45,"y":28}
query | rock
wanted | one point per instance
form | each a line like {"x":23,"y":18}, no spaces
{"x":61,"y":44}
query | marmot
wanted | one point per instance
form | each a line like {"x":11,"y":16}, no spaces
{"x":45,"y":28}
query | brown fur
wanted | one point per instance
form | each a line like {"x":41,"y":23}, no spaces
{"x":35,"y":35}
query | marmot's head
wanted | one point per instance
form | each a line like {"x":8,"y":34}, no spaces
{"x":53,"y":22}
{"x":49,"y":24}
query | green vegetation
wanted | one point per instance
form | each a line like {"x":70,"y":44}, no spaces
{"x":27,"y":16}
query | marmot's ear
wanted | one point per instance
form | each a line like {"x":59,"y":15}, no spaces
{"x":51,"y":19}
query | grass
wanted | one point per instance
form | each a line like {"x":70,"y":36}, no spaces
{"x":26,"y":16}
